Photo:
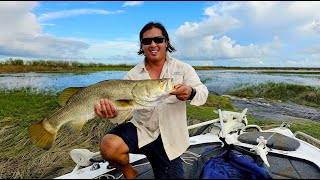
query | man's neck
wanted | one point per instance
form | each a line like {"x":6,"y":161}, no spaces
{"x":154,"y":68}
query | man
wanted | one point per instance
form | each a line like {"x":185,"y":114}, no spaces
{"x":161,"y":133}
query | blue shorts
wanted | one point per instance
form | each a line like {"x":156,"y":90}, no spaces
{"x":162,"y":167}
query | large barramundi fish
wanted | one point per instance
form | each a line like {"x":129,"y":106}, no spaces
{"x":78,"y":105}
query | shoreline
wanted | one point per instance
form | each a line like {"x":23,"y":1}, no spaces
{"x":7,"y":69}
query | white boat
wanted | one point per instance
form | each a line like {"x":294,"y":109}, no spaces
{"x":283,"y":154}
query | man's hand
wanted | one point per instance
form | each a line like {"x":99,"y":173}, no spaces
{"x":107,"y":109}
{"x":182,"y":92}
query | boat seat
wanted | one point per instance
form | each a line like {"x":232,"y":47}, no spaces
{"x":277,"y":141}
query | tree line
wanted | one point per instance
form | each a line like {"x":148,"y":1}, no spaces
{"x":55,"y":63}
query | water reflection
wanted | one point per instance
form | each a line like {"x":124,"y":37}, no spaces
{"x":217,"y":81}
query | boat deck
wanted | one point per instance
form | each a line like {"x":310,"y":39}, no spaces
{"x":281,"y":166}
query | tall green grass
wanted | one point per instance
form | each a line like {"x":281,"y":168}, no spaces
{"x":19,"y":158}
{"x":304,"y":95}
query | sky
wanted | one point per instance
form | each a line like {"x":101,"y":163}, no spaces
{"x":214,"y":33}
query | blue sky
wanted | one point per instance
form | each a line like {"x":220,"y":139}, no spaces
{"x":218,"y":33}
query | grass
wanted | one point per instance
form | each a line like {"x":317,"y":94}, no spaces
{"x":19,"y":65}
{"x":304,"y":95}
{"x":20,"y":108}
{"x":18,"y":157}
{"x":24,"y":68}
{"x":289,"y":72}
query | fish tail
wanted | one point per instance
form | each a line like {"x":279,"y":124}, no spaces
{"x":41,"y":136}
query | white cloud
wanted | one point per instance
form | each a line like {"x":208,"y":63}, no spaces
{"x":276,"y":43}
{"x":215,"y":37}
{"x":207,"y":27}
{"x":201,"y":40}
{"x":314,"y":50}
{"x":311,"y":27}
{"x":110,"y":51}
{"x":273,"y":47}
{"x":210,"y":11}
{"x":271,"y":14}
{"x":21,"y":35}
{"x":15,"y":17}
{"x":132,"y":3}
{"x":221,"y":8}
{"x":74,"y":12}
{"x":300,"y":9}
{"x":207,"y":48}
{"x":42,"y":46}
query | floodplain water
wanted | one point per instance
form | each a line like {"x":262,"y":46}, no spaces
{"x":217,"y":81}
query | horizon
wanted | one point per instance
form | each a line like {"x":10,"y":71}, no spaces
{"x":219,"y":33}
{"x":89,"y":64}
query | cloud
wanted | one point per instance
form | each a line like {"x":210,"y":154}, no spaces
{"x":206,"y":40}
{"x":74,"y":12}
{"x":43,"y":46}
{"x":207,"y":27}
{"x":207,"y":48}
{"x":313,"y":50}
{"x":267,"y":15}
{"x":16,"y":17}
{"x":311,"y":27}
{"x":113,"y":51}
{"x":247,"y":30}
{"x":132,"y":3}
{"x":21,"y":35}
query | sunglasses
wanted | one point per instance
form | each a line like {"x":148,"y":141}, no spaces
{"x":157,"y":40}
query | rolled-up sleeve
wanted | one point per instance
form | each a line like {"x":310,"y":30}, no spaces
{"x":192,"y":79}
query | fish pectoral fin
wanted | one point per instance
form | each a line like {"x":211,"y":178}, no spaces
{"x":123,"y":103}
{"x":76,"y":125}
{"x":122,"y":116}
{"x":147,"y":103}
{"x":67,"y":93}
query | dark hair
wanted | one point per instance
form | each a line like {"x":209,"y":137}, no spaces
{"x":151,"y":25}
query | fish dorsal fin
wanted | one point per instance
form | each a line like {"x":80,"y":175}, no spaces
{"x":67,"y":93}
{"x":76,"y":126}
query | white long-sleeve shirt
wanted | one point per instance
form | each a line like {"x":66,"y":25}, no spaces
{"x":169,"y":118}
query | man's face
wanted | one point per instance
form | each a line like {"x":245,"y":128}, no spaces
{"x":155,"y":49}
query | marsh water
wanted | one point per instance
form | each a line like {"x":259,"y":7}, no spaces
{"x":218,"y":81}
